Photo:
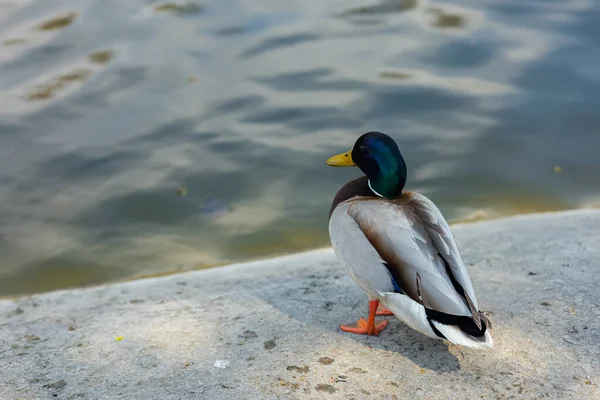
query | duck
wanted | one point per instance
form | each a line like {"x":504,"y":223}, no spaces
{"x":398,"y":248}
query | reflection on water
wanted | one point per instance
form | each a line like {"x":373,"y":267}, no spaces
{"x":144,"y":137}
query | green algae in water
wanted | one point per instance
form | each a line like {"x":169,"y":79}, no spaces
{"x":447,"y":20}
{"x":58,"y":22}
{"x":395,"y":75}
{"x":13,"y":42}
{"x":101,"y":57}
{"x":48,"y":90}
{"x":386,"y":7}
{"x":60,"y":272}
{"x":235,"y":30}
{"x":183,"y":8}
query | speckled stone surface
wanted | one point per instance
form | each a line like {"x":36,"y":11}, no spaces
{"x":269,"y":329}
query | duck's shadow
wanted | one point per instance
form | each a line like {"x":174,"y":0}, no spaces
{"x":329,"y":298}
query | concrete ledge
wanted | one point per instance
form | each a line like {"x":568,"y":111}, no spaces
{"x":269,"y":329}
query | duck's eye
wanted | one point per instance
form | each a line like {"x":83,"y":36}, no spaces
{"x":362,"y":148}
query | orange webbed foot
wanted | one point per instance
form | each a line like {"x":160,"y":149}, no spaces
{"x":381,"y":310}
{"x":362,"y":327}
{"x":370,"y":327}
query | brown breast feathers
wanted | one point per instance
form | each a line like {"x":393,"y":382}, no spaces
{"x":357,"y":187}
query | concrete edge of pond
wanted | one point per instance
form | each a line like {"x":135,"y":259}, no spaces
{"x":268,"y":329}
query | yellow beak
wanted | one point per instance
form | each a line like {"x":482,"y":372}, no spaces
{"x":342,"y":160}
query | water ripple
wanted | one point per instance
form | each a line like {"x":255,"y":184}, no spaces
{"x":140,"y":137}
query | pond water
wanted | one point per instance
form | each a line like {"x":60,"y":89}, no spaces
{"x":141,"y":137}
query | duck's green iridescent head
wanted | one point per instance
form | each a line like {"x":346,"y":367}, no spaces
{"x":378,"y":156}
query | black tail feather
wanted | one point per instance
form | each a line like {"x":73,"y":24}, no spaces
{"x":465,"y":324}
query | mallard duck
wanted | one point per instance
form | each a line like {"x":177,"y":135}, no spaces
{"x":397,"y":246}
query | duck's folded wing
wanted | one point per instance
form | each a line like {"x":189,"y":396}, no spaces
{"x":410,"y":254}
{"x":438,"y":230}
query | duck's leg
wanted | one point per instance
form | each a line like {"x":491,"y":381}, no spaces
{"x":370,"y":327}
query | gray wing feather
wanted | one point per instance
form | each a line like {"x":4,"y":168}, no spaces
{"x":361,"y":261}
{"x":396,"y":232}
{"x":439,"y":231}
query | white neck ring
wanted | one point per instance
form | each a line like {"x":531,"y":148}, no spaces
{"x":373,"y":190}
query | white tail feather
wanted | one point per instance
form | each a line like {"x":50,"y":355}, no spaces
{"x":413,"y":314}
{"x":408,"y":311}
{"x":456,"y":336}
